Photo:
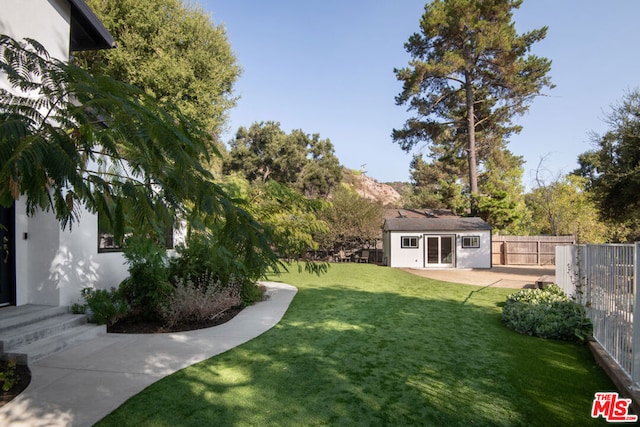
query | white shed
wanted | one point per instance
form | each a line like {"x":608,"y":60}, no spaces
{"x":452,"y":242}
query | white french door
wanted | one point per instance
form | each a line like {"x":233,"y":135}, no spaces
{"x":439,"y":250}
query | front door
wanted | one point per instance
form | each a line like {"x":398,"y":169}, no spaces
{"x":7,"y":257}
{"x":439,"y":251}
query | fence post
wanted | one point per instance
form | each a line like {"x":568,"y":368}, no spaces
{"x":635,"y":352}
{"x":506,"y":253}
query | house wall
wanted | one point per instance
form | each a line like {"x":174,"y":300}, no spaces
{"x":36,"y":238}
{"x":36,"y":241}
{"x":78,"y":264}
{"x":414,"y":257}
{"x":53,"y":265}
{"x":34,"y":277}
{"x":50,"y":26}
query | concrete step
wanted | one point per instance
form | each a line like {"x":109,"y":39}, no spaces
{"x":14,"y":317}
{"x":30,"y":333}
{"x":26,"y":334}
{"x":40,"y":349}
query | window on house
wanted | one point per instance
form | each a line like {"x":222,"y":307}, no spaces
{"x":409,"y":242}
{"x":470,"y":241}
{"x":107,"y":243}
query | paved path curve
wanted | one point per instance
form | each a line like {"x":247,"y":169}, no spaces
{"x":83,"y":384}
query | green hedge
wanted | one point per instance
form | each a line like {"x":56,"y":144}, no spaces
{"x":546,"y":313}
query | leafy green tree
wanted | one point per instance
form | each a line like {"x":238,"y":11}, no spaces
{"x":322,"y":171}
{"x":441,"y":183}
{"x":470,"y":75}
{"x":265,"y":152}
{"x":501,"y":201}
{"x":290,"y":218}
{"x":351,"y":219}
{"x":612,"y":169}
{"x":91,"y":141}
{"x":438,"y":184}
{"x":172,"y":50}
{"x":563,"y":207}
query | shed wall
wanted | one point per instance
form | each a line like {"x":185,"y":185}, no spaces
{"x":474,"y":257}
{"x":414,"y":257}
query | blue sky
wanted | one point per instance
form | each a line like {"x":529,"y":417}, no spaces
{"x":326,"y":66}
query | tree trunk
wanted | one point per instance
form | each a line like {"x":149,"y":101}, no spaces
{"x":471,"y":147}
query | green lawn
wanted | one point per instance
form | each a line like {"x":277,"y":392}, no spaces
{"x":368,"y":345}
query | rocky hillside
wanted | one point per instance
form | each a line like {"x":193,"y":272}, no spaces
{"x":371,"y":189}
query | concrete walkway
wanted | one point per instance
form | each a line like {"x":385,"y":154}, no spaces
{"x":501,"y":276}
{"x":83,"y":384}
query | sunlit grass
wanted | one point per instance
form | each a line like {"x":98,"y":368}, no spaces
{"x":368,"y":345}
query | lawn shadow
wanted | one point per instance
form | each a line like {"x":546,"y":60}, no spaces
{"x":424,"y":355}
{"x":479,"y":290}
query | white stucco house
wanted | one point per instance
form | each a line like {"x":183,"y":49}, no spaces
{"x":447,"y":242}
{"x":39,"y":262}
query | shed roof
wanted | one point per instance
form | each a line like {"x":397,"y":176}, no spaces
{"x":87,"y":32}
{"x":435,"y":224}
{"x":418,"y":213}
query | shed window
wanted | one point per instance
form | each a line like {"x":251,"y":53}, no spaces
{"x":470,"y":241}
{"x":409,"y":242}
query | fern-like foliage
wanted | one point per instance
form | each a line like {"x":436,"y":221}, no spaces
{"x":70,"y":139}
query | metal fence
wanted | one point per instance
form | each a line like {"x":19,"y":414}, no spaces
{"x":603,"y":278}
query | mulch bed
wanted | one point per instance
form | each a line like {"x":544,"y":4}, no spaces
{"x":23,"y":375}
{"x":133,"y":325}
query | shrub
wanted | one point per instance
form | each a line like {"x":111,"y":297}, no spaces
{"x":251,"y":293}
{"x":8,"y":376}
{"x":147,"y":287}
{"x":546,"y":313}
{"x":78,"y":308}
{"x":191,"y":303}
{"x":203,"y":263}
{"x":106,"y":306}
{"x":198,"y":263}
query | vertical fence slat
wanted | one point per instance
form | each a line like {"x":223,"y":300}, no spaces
{"x":527,"y":250}
{"x":635,"y":375}
{"x":604,"y":278}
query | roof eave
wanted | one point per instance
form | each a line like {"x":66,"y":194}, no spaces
{"x":436,"y":225}
{"x":87,"y":32}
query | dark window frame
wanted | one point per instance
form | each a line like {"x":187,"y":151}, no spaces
{"x":106,"y":243}
{"x":469,"y":242}
{"x":410,"y":239}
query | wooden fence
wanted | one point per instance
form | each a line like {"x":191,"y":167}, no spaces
{"x":527,"y":250}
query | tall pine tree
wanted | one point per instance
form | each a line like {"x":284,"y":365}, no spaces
{"x":471,"y":73}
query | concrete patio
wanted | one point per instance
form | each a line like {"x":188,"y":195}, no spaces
{"x":501,"y":276}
